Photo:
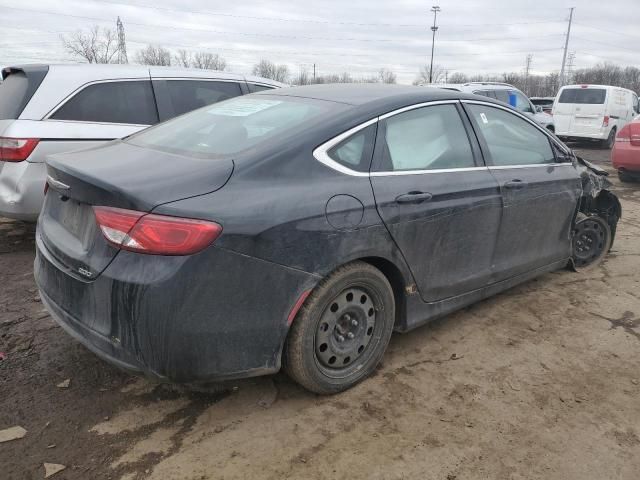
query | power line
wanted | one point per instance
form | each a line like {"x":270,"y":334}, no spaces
{"x":609,"y":31}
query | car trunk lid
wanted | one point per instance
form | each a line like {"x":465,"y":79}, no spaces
{"x":117,"y":175}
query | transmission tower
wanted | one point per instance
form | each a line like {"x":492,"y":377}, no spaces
{"x":526,"y":73}
{"x":571,"y":57}
{"x":122,"y":44}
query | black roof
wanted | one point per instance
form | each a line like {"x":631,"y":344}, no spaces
{"x":378,"y":93}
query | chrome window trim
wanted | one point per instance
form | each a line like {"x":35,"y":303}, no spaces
{"x":422,"y":172}
{"x":320,"y":152}
{"x":531,"y":165}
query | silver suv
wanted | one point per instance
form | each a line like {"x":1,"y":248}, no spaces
{"x":47,"y":109}
{"x":507,"y":94}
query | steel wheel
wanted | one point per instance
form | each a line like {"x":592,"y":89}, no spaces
{"x":591,"y":241}
{"x":342,"y":330}
{"x":345,"y":329}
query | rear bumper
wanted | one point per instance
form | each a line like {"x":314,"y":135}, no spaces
{"x":22,"y":189}
{"x":576,"y":137}
{"x":626,"y":157}
{"x":213,"y":316}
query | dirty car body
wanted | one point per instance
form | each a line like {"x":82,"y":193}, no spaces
{"x":418,"y":183}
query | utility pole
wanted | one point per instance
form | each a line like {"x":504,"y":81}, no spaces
{"x":435,"y":9}
{"x":566,"y":47}
{"x":122,"y":45}
{"x":314,"y":73}
{"x":526,"y":73}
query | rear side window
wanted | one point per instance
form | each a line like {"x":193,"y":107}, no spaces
{"x":17,"y":89}
{"x":485,"y":93}
{"x":588,"y":96}
{"x":130,"y":102}
{"x":355,"y":152}
{"x":511,"y":140}
{"x":426,"y":138}
{"x":254,"y":87}
{"x":187,"y":95}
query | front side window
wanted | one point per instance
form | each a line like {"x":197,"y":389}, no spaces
{"x":426,"y":138}
{"x":235,"y":125}
{"x":188,"y":95}
{"x":521,"y":103}
{"x":511,"y":140}
{"x":130,"y":102}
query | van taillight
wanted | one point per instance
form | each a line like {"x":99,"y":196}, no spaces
{"x":605,"y":121}
{"x":16,"y":149}
{"x":155,"y":234}
{"x":634,"y":133}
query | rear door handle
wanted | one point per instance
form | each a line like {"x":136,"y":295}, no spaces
{"x":515,"y":184}
{"x":414,"y":197}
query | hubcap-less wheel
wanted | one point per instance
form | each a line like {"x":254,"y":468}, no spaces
{"x":590,"y":241}
{"x":345,"y":329}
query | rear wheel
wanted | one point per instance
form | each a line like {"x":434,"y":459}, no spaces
{"x":624,"y":177}
{"x":591,"y":241}
{"x":611,"y":139}
{"x":340,"y":334}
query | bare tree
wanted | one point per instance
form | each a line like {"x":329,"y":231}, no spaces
{"x":154,"y":55}
{"x":387,"y":76}
{"x":183,"y":58}
{"x":439,"y":74}
{"x":267,"y":69}
{"x":458,"y":77}
{"x":209,"y":61}
{"x":95,"y":46}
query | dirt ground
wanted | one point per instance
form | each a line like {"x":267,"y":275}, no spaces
{"x":540,"y":382}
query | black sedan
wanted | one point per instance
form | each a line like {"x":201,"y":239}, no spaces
{"x":300,"y":227}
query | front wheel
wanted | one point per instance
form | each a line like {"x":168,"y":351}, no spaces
{"x":340,"y":334}
{"x":591,"y":241}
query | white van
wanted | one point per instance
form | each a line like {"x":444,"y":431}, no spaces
{"x":594,"y":112}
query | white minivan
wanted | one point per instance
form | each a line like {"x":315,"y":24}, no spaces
{"x":593,"y":112}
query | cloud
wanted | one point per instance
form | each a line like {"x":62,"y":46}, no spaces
{"x":360,"y":37}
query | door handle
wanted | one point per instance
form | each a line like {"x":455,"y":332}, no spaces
{"x":414,"y":197}
{"x":515,"y":184}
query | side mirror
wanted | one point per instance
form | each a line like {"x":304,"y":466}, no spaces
{"x":539,"y":109}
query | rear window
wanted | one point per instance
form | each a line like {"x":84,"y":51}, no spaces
{"x":17,"y":89}
{"x":130,"y":102}
{"x":187,"y":95}
{"x":232,"y":126}
{"x":592,"y":96}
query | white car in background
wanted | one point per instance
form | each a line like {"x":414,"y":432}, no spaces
{"x":505,"y":93}
{"x":46,"y":109}
{"x":593,"y":112}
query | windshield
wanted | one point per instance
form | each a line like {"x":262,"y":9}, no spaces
{"x":232,"y":126}
{"x":591,"y":96}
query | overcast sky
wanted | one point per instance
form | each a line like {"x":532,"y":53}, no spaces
{"x":358,"y":36}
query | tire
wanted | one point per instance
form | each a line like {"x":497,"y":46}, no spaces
{"x":623,"y":177}
{"x":590,"y":243}
{"x":341,"y":332}
{"x":611,"y":139}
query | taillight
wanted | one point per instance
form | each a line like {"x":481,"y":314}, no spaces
{"x":634,"y":133}
{"x":605,"y":121}
{"x":155,"y":234}
{"x":16,"y":149}
{"x":624,"y":135}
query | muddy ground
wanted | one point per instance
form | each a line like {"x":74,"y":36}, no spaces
{"x":540,"y":382}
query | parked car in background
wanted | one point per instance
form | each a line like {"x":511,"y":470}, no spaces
{"x":625,"y":155}
{"x":48,"y":109}
{"x":301,"y":226}
{"x":593,"y":112}
{"x":546,"y":103}
{"x":507,"y":94}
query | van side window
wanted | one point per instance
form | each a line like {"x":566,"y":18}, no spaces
{"x":130,"y":102}
{"x":187,"y":95}
{"x":511,"y":140}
